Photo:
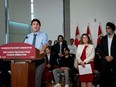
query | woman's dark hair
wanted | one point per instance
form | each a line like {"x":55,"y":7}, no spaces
{"x":84,"y":34}
{"x":36,"y":21}
{"x":60,"y":36}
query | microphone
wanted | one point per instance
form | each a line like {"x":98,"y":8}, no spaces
{"x":25,"y":38}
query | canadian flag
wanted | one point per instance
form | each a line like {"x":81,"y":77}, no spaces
{"x":77,"y":37}
{"x":99,"y":34}
{"x":88,"y":32}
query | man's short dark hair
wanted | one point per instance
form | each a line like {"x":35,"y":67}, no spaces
{"x":36,"y":21}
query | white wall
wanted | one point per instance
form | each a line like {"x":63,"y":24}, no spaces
{"x":20,"y":11}
{"x":50,"y":13}
{"x":83,"y":12}
{"x":2,"y":22}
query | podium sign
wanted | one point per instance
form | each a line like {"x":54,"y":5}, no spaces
{"x":19,"y":51}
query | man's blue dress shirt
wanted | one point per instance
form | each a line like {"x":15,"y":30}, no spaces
{"x":41,"y":39}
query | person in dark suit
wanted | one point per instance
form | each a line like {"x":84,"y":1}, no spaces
{"x":107,"y":49}
{"x":50,"y":45}
{"x":5,"y":77}
{"x":60,"y":46}
{"x":50,"y":64}
{"x":50,"y":59}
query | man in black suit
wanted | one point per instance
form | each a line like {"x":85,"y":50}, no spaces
{"x":60,"y":46}
{"x":107,"y":51}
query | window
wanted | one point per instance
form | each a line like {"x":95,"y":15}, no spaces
{"x":32,"y":10}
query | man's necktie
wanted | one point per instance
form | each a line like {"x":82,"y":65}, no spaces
{"x":34,"y":39}
{"x":60,"y":48}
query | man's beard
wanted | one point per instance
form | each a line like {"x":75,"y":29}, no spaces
{"x":108,"y":33}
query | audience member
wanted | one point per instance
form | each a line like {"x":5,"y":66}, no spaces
{"x":60,"y":46}
{"x":66,"y":63}
{"x":49,"y":66}
{"x":72,"y":47}
{"x":50,"y":45}
{"x":55,"y":42}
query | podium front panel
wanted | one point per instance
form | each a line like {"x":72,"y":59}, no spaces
{"x":23,"y":75}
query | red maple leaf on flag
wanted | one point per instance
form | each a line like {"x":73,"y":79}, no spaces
{"x":88,"y":32}
{"x":99,"y":34}
{"x":77,"y":37}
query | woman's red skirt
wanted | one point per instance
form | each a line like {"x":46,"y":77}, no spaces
{"x":87,"y":77}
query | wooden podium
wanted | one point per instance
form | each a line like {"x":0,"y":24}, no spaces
{"x":22,"y":69}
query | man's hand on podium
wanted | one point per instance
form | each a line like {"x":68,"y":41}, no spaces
{"x":42,"y":51}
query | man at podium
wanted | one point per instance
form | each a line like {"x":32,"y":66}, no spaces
{"x":39,"y":40}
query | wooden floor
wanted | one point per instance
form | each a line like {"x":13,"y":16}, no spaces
{"x":62,"y":85}
{"x":49,"y":84}
{"x":52,"y":84}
